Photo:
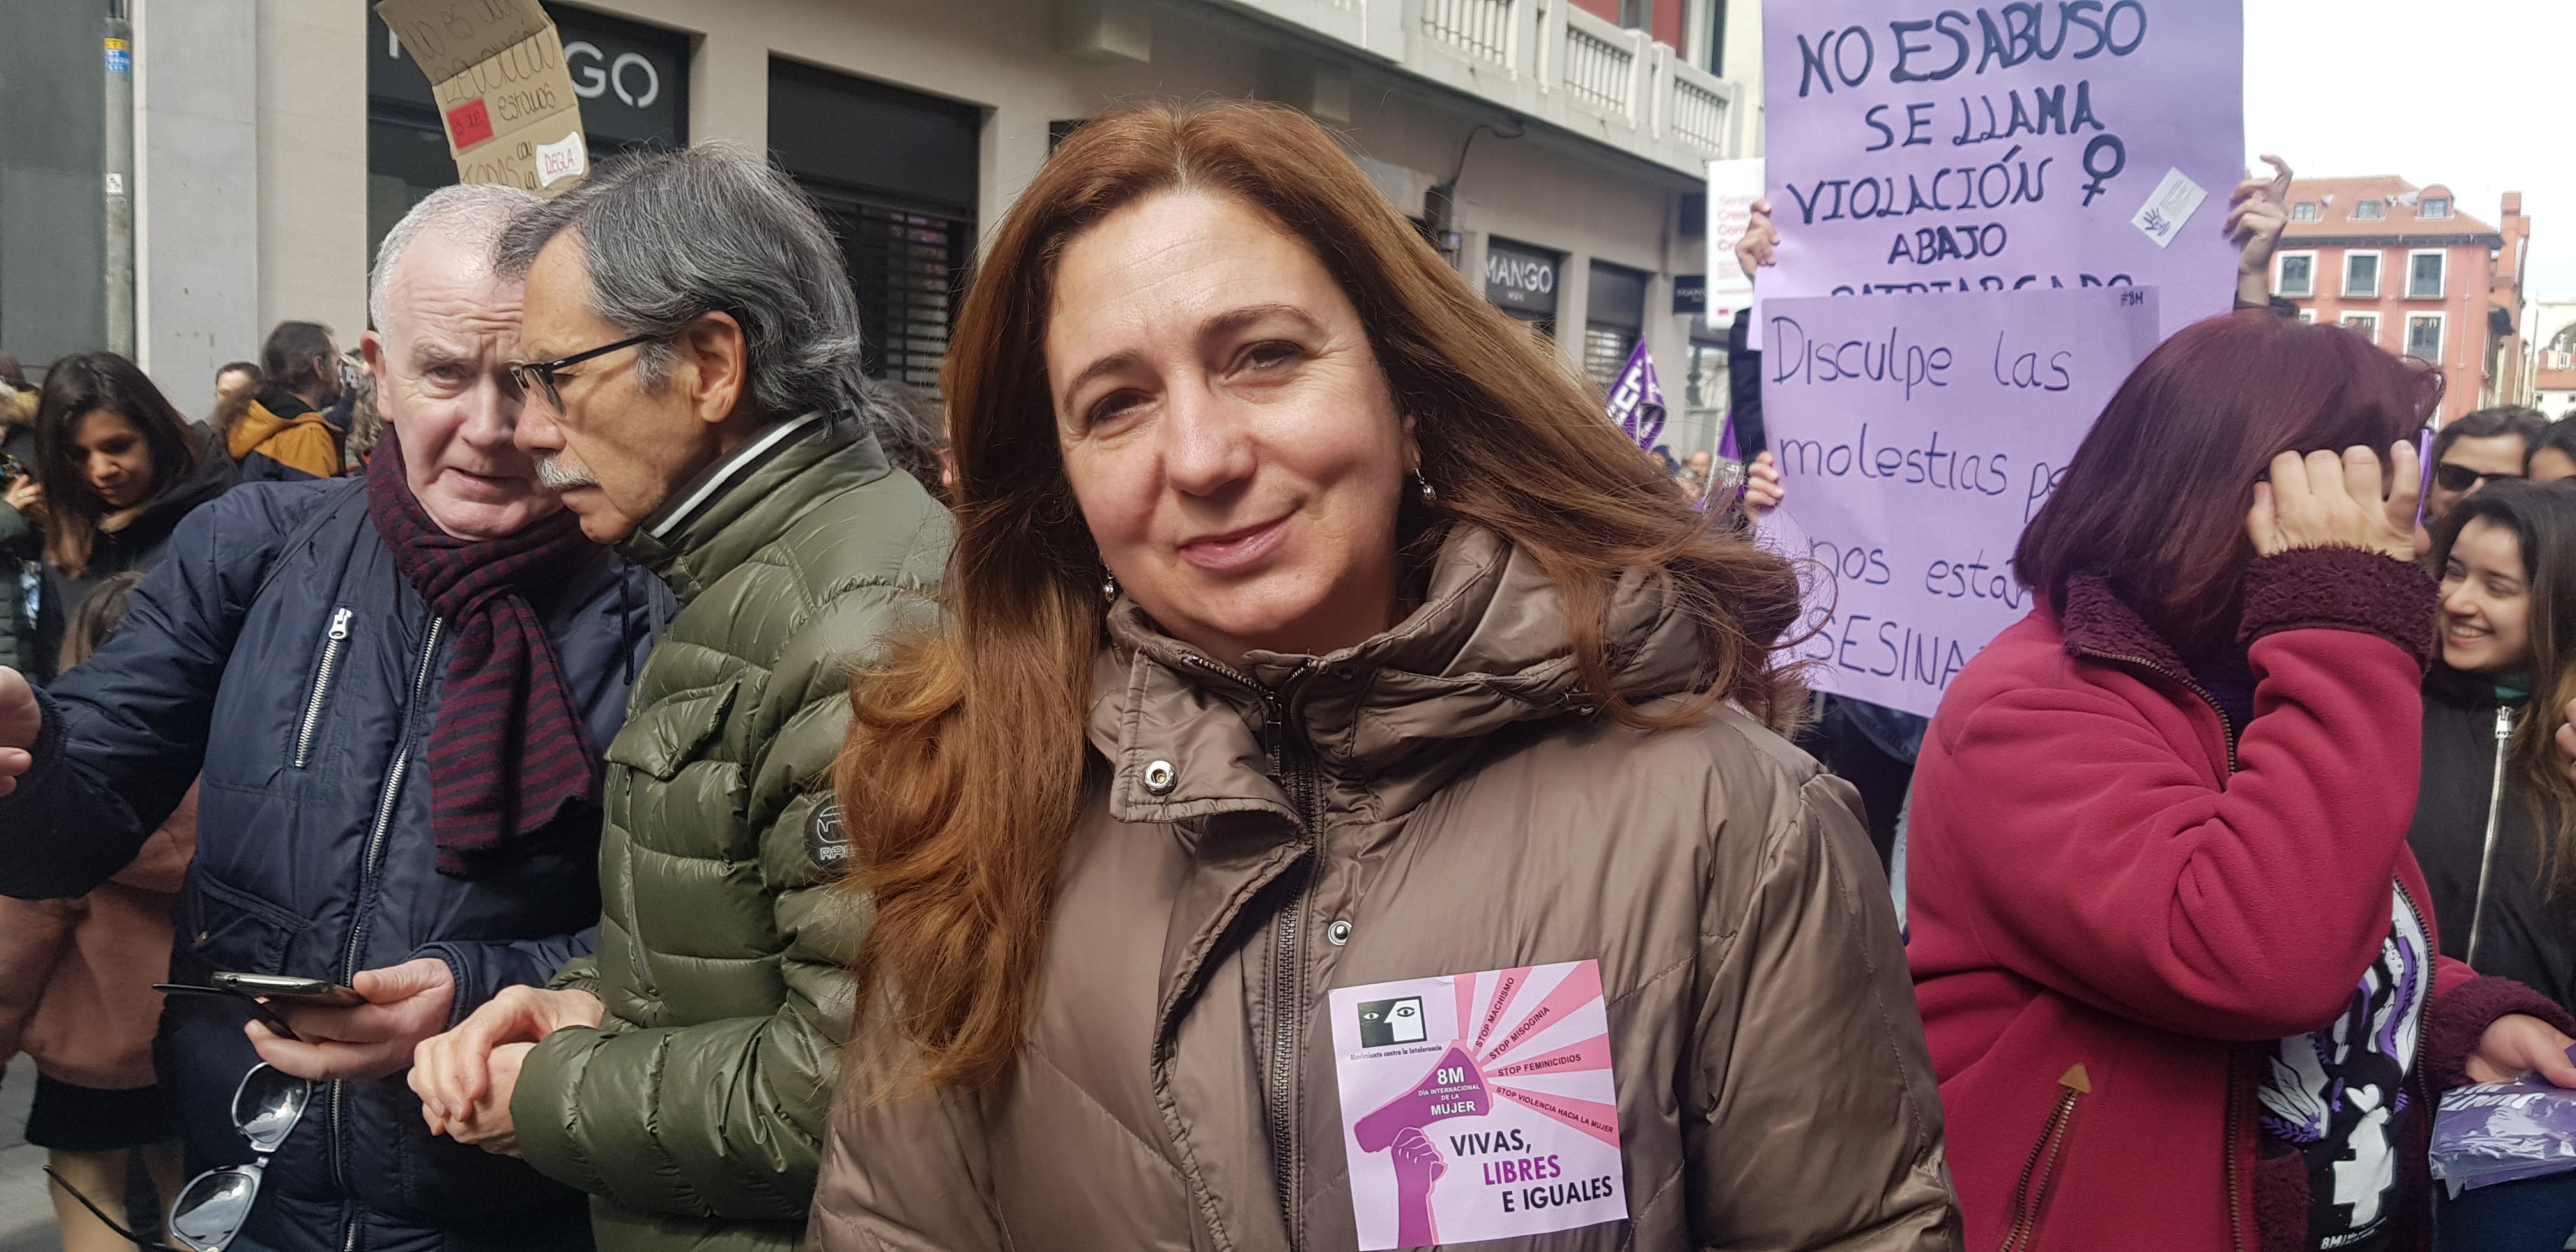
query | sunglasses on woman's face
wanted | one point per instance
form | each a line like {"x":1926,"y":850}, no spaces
{"x":212,"y":1209}
{"x":2454,"y":477}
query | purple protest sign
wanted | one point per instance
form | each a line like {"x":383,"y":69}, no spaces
{"x":1930,"y":146}
{"x":1637,"y":400}
{"x":1916,"y":434}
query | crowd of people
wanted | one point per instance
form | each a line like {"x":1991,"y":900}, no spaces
{"x":591,"y":768}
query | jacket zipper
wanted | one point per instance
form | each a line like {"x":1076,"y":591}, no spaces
{"x":1287,"y":982}
{"x":332,"y":642}
{"x":2030,"y":1195}
{"x":2227,"y":1146}
{"x":2225,"y":723}
{"x":2495,"y":807}
{"x":1287,"y":985}
{"x":367,"y":873}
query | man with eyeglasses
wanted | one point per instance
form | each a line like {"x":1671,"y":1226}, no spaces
{"x":2478,"y":448}
{"x":398,"y":690}
{"x":694,"y":390}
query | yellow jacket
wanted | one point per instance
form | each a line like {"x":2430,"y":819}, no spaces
{"x":305,"y":445}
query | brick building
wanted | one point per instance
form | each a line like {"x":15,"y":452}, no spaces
{"x":2403,"y":265}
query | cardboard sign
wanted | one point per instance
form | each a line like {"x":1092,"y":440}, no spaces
{"x":1936,"y":146}
{"x":1916,"y":435}
{"x":1478,"y":1106}
{"x":496,"y":69}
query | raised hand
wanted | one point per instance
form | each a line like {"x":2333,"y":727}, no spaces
{"x":1755,"y":249}
{"x":2321,"y":500}
{"x":2259,"y":210}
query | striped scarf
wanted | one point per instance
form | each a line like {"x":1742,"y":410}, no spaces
{"x":507,"y":755}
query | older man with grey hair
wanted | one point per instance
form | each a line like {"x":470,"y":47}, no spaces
{"x":699,"y":402}
{"x":397,"y":691}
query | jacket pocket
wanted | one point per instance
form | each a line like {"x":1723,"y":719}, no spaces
{"x":2030,"y":1195}
{"x":231,"y":929}
{"x":661,"y":739}
{"x":335,"y":641}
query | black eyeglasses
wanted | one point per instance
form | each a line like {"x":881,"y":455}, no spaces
{"x":2451,"y":477}
{"x":535,"y":375}
{"x":212,"y":1209}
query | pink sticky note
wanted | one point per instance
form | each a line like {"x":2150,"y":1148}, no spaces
{"x":1478,"y":1106}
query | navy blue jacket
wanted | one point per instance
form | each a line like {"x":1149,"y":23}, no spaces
{"x":307,"y":709}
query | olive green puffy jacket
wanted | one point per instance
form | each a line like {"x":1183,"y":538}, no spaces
{"x":694,"y":1114}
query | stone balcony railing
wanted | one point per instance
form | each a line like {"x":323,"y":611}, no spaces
{"x":1546,"y":60}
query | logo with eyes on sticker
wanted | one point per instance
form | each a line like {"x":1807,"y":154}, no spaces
{"x":1385,"y":1023}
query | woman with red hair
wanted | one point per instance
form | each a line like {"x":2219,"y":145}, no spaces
{"x":2176,"y":965}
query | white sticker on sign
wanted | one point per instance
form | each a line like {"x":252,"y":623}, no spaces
{"x":1478,"y":1106}
{"x":2174,"y":201}
{"x":562,"y":159}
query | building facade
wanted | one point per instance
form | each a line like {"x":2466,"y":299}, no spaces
{"x":1554,"y":151}
{"x":2405,"y":266}
{"x":2553,"y":357}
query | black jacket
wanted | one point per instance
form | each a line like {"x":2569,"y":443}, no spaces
{"x":135,"y":545}
{"x":2527,"y":933}
{"x":306,"y":706}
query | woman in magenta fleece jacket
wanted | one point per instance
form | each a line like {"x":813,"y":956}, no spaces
{"x":2177,"y":967}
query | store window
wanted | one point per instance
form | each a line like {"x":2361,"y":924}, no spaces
{"x":1614,"y":316}
{"x":895,"y":173}
{"x":1521,"y":280}
{"x":633,"y":81}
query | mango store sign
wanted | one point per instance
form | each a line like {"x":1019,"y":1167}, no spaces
{"x":1931,"y":146}
{"x":1916,"y":434}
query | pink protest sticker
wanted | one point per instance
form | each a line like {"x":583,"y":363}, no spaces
{"x":1478,"y":1106}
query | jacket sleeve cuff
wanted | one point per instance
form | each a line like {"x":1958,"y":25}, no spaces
{"x":48,"y":754}
{"x":2341,"y":589}
{"x":2454,"y":1022}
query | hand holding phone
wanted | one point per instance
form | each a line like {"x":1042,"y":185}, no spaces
{"x":291,"y":989}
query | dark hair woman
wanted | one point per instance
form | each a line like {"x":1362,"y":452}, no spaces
{"x":1310,"y":630}
{"x":2495,"y":820}
{"x":2162,"y":909}
{"x":117,"y":467}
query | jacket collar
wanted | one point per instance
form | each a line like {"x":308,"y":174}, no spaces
{"x":1389,"y":720}
{"x":749,"y":497}
{"x":2098,"y":624}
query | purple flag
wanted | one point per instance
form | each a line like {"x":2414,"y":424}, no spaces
{"x":1637,"y":400}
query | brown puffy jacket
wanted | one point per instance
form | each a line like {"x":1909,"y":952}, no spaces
{"x":1773,"y":1089}
{"x":76,"y":975}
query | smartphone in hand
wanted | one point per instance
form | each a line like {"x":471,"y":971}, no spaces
{"x":287,"y":987}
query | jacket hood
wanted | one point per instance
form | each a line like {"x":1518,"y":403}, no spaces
{"x":266,"y":416}
{"x":1389,"y":719}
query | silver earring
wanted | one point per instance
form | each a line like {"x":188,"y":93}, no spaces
{"x":1429,"y":496}
{"x":1108,"y":585}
